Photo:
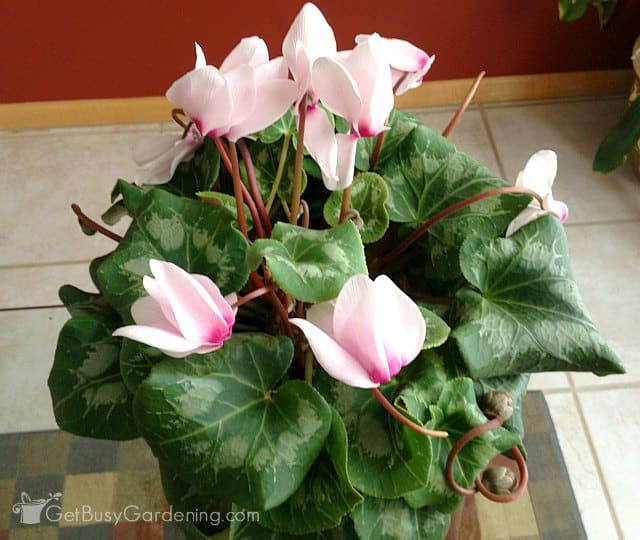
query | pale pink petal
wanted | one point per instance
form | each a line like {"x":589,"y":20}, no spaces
{"x":355,"y":327}
{"x":273,"y":98}
{"x":274,"y":69}
{"x":320,"y":140}
{"x":311,"y":29}
{"x":205,"y":97}
{"x":540,"y":171}
{"x":197,"y":316}
{"x":223,"y":304}
{"x":369,"y":69}
{"x":169,"y":343}
{"x":347,"y":145}
{"x":337,"y":89}
{"x":527,"y":215}
{"x":400,"y":323}
{"x":201,"y":61}
{"x":146,"y":311}
{"x":557,"y":208}
{"x":251,"y":51}
{"x":150,"y":147}
{"x":321,"y":315}
{"x":160,"y":170}
{"x":242,"y":85}
{"x":155,"y":291}
{"x":334,"y":359}
{"x":404,"y":81}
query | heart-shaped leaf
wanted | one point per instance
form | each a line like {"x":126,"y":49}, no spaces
{"x":437,"y":329}
{"x":522,"y":311}
{"x":368,"y":196}
{"x":223,"y":423}
{"x":198,"y":237}
{"x":325,"y":496}
{"x":311,"y":265}
{"x":89,"y":396}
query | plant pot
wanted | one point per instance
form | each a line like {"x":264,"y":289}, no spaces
{"x":635,"y":94}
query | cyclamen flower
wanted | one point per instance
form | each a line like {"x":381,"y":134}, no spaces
{"x":244,"y":96}
{"x":538,"y":175}
{"x":408,"y":63}
{"x":358,"y":88}
{"x":309,"y":38}
{"x":183,"y":314}
{"x":367,"y":334}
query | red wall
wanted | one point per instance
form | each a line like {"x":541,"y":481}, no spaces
{"x":123,"y":48}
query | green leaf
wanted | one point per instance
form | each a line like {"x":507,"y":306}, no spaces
{"x":88,"y":394}
{"x":183,"y":497}
{"x":133,"y":196}
{"x":80,"y":303}
{"x":615,"y":147}
{"x":426,"y":175}
{"x":572,"y":10}
{"x":247,"y":530}
{"x":399,"y":456}
{"x":437,"y":329}
{"x":606,"y":9}
{"x":311,"y":265}
{"x":198,"y":237}
{"x":522,"y":312}
{"x":114,"y":213}
{"x":457,"y":412}
{"x":325,"y":496}
{"x":224,"y":425}
{"x":136,"y":361}
{"x":395,"y":520}
{"x":400,"y":124}
{"x":285,"y":125}
{"x":215,"y":198}
{"x":368,"y":196}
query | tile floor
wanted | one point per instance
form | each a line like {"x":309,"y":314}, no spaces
{"x":41,"y":247}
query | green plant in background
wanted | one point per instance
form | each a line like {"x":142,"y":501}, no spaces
{"x":317,"y":297}
{"x":572,"y":10}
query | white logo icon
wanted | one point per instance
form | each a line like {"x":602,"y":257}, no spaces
{"x":31,"y":511}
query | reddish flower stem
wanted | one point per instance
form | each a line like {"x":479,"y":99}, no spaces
{"x":86,"y":220}
{"x":224,"y":153}
{"x":256,"y":293}
{"x":376,"y":151}
{"x":522,"y":484}
{"x":275,"y":302}
{"x":464,"y":105}
{"x":305,"y":213}
{"x":345,"y":205}
{"x":402,"y":246}
{"x":403,"y":419}
{"x":237,"y":190}
{"x":253,"y":185}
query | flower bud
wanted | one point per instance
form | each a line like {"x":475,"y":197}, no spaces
{"x":499,"y":480}
{"x":497,"y":404}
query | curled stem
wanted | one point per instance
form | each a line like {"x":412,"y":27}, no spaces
{"x":179,"y":116}
{"x":253,"y":185}
{"x":522,"y":483}
{"x":86,"y":220}
{"x":279,"y":173}
{"x":463,"y":105}
{"x":297,"y":171}
{"x":402,"y":246}
{"x":403,"y":419}
{"x":459,"y":445}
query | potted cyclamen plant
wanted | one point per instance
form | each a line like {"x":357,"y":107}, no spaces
{"x":322,"y":310}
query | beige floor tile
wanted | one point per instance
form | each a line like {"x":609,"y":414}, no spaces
{"x":470,"y":135}
{"x":605,"y":261}
{"x":613,"y":418}
{"x":41,"y":175}
{"x":549,"y":381}
{"x":35,"y":286}
{"x":574,"y":131}
{"x":28,"y":340}
{"x":588,"y":490}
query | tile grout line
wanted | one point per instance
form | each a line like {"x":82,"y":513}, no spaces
{"x":492,"y":141}
{"x":621,"y":221}
{"x":30,"y":308}
{"x":596,"y":461}
{"x":42,"y":264}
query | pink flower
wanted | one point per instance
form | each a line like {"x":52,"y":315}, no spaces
{"x":244,"y":96}
{"x":408,"y":63}
{"x":367,"y":334}
{"x":183,"y":314}
{"x":538,"y":175}
{"x":309,"y":38}
{"x":357,"y":87}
